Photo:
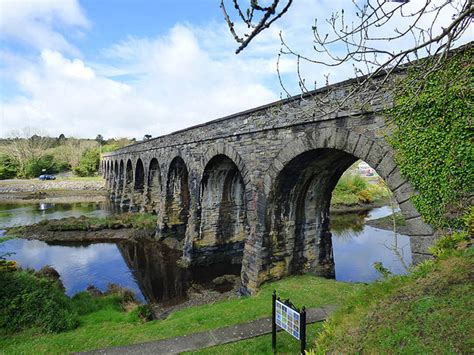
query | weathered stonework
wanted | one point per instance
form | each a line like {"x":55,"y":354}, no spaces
{"x":256,"y":185}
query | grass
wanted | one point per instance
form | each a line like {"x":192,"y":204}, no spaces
{"x":83,"y":223}
{"x":108,"y":326}
{"x":352,"y":190}
{"x":428,"y":311}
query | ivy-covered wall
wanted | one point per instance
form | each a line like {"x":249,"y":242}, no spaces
{"x":433,"y":139}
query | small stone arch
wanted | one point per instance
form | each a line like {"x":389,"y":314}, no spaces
{"x":154,"y":185}
{"x":177,"y":199}
{"x":128,"y":183}
{"x":222,"y":207}
{"x":138,"y":183}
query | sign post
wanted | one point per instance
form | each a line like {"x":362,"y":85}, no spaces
{"x":289,"y":318}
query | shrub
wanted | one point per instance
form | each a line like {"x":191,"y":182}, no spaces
{"x":8,"y":167}
{"x":34,"y":167}
{"x":89,"y":163}
{"x":27,"y":301}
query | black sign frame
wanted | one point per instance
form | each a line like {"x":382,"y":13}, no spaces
{"x":302,"y":325}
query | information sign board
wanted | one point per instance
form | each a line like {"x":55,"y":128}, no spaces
{"x":288,"y":319}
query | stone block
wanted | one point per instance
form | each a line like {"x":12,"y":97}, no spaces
{"x":386,"y":166}
{"x":404,"y":192}
{"x":421,"y":244}
{"x":395,"y":180}
{"x":417,"y":226}
{"x":408,"y":210}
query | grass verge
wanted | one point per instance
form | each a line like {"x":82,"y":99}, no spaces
{"x":108,"y":326}
{"x":428,"y":311}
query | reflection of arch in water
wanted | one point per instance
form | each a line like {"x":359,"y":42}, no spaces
{"x":154,"y":267}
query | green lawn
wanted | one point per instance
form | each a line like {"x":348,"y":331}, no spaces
{"x":109,"y":326}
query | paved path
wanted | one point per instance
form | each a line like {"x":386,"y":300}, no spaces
{"x":211,"y":338}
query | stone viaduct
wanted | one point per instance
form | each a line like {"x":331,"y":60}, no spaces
{"x":255,"y":187}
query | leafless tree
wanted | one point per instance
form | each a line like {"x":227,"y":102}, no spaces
{"x":25,"y":145}
{"x":367,"y":36}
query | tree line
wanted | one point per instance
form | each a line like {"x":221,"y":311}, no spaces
{"x":27,"y":155}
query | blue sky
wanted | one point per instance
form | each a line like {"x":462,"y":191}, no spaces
{"x":134,"y":67}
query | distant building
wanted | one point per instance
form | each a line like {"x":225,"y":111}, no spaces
{"x":365,"y":169}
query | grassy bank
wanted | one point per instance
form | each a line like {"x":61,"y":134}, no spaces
{"x":107,"y":325}
{"x":428,"y":311}
{"x":124,"y":220}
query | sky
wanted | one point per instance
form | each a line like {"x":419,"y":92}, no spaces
{"x":126,"y":68}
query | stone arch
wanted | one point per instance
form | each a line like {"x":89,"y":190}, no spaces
{"x":128,"y":184}
{"x":231,"y":153}
{"x":177,"y":199}
{"x":120,"y":181}
{"x":299,"y":184}
{"x":138,"y":183}
{"x":154,"y":184}
{"x":115,"y":179}
{"x":222,"y":208}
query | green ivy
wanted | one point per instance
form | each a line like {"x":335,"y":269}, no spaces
{"x":433,"y":139}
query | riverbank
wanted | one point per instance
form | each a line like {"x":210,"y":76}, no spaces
{"x":62,"y":190}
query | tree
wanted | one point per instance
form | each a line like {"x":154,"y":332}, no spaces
{"x":89,"y":163}
{"x":147,"y":137}
{"x":367,"y":40}
{"x":99,"y":139}
{"x":26,"y":146}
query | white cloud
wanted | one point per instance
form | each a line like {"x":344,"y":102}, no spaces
{"x":35,"y":22}
{"x":152,"y":85}
{"x":176,"y":83}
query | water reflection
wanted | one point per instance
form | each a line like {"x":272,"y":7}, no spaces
{"x":24,"y":214}
{"x":150,"y":269}
{"x":79,"y":266}
{"x":357,"y":246}
{"x":154,"y":266}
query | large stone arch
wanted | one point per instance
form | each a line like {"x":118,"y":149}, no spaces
{"x":302,"y":177}
{"x":177,"y":200}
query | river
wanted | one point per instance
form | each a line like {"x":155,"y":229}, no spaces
{"x":150,"y":270}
